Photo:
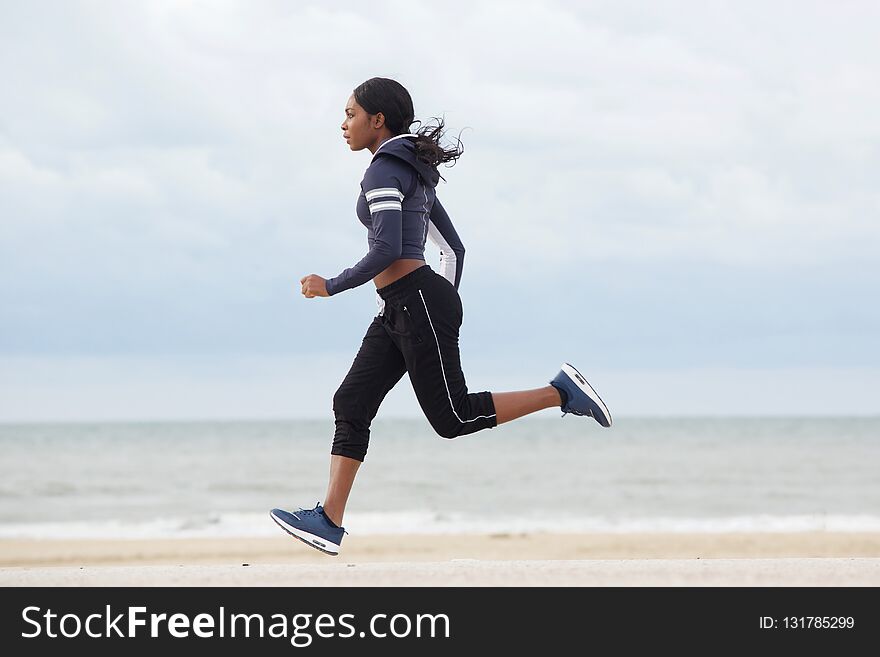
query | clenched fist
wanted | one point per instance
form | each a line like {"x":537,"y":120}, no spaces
{"x":314,"y":286}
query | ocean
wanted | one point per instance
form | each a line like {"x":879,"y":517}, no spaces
{"x":203,"y":479}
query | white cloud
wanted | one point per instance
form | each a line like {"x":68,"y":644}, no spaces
{"x":219,"y":116}
{"x":181,"y":151}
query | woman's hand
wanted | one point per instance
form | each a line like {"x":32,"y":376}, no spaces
{"x":314,"y":286}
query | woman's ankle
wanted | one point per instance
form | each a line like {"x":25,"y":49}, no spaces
{"x":334,"y":516}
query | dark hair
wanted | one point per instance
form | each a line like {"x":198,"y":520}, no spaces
{"x":393,"y":100}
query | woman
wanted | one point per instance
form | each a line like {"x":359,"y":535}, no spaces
{"x":420,"y":312}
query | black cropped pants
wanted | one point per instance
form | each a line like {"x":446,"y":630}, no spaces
{"x":416,"y":333}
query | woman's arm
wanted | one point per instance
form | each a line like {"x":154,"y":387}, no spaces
{"x":383,"y":187}
{"x":442,"y":233}
{"x":388,"y":230}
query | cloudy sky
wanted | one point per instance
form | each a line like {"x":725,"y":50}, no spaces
{"x":682,"y":199}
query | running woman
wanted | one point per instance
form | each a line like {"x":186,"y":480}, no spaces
{"x":420,"y":312}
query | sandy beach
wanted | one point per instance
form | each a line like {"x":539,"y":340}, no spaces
{"x":534,"y":559}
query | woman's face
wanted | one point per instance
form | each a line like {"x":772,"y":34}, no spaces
{"x":357,"y":127}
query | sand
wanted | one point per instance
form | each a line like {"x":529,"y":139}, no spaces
{"x":538,"y":559}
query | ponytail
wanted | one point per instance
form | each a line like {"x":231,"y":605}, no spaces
{"x":428,"y":147}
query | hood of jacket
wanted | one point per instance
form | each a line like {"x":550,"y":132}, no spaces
{"x":403,"y":148}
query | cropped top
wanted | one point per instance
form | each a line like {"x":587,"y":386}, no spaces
{"x":398,"y":205}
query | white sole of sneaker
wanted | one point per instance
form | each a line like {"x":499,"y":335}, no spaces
{"x":322,"y":544}
{"x":581,"y":383}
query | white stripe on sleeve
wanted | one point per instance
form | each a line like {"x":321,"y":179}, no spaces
{"x":385,"y":205}
{"x":382,"y":192}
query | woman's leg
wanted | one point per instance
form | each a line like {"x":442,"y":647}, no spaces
{"x":511,"y":405}
{"x":430,"y":348}
{"x":376,"y":369}
{"x":342,"y":472}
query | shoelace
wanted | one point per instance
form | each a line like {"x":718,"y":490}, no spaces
{"x":314,"y":512}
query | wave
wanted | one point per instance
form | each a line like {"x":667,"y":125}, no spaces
{"x":255,"y":525}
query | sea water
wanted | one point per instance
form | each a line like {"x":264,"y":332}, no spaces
{"x":189,"y":479}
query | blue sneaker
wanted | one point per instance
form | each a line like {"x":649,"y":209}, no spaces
{"x":312,"y":527}
{"x":578,"y":397}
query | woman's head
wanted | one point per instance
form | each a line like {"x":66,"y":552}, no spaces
{"x":382,"y":108}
